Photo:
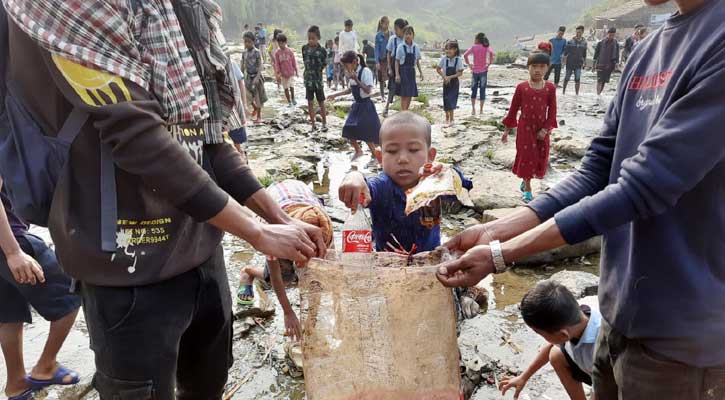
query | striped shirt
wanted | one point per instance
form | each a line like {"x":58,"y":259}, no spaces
{"x":290,"y":192}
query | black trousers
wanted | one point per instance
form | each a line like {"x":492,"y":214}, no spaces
{"x":170,"y":340}
{"x":557,"y":73}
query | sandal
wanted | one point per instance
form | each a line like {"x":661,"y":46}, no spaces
{"x":522,"y":188}
{"x":245,"y":291}
{"x":527,"y":197}
{"x":26,"y":395}
{"x":58,"y":379}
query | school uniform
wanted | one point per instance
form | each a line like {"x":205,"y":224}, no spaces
{"x":408,"y":56}
{"x":393,"y":43}
{"x":362,"y":122}
{"x":451,"y":66}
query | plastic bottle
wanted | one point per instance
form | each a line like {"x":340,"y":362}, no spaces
{"x":357,"y":237}
{"x":430,"y":215}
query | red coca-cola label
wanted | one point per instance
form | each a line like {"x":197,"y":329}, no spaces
{"x":357,"y":241}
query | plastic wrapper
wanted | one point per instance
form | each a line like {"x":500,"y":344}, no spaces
{"x":385,"y":331}
{"x":445,"y":183}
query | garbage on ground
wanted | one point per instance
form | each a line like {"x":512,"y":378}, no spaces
{"x":383,"y":331}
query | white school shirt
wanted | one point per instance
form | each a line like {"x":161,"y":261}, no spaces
{"x":366,"y":79}
{"x":348,"y":42}
{"x":583,"y":352}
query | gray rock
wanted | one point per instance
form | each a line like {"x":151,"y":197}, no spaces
{"x":581,"y":284}
{"x":571,"y":148}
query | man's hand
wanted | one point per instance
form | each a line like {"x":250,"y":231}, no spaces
{"x":467,"y":271}
{"x":315,"y":234}
{"x":517,"y":383}
{"x":352,"y":186}
{"x":469,"y":238}
{"x":505,"y":137}
{"x":25,"y":269}
{"x":289,"y":242}
{"x":292,"y":326}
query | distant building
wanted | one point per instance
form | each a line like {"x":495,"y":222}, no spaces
{"x":634,"y":12}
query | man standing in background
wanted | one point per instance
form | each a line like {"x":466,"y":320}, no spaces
{"x":575,"y":56}
{"x":606,"y":59}
{"x":558,"y":44}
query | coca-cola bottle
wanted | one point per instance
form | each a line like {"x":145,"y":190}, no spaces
{"x":430,"y":215}
{"x":357,"y":237}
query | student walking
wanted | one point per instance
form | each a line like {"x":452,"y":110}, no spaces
{"x":272,"y":50}
{"x":392,"y":49}
{"x":606,"y":59}
{"x":252,"y":68}
{"x":575,"y":57}
{"x":286,"y":68}
{"x":381,"y":57}
{"x":315,"y":60}
{"x":407,"y":58}
{"x":330,"y":49}
{"x":483,"y":57}
{"x":536,"y":99}
{"x":362,"y":122}
{"x":558,"y":44}
{"x":450,"y":68}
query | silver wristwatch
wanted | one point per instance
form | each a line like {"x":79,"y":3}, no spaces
{"x":497,"y":254}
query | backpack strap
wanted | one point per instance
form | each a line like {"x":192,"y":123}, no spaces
{"x":109,"y":202}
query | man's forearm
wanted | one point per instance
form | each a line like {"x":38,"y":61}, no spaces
{"x":263,"y":205}
{"x":513,"y":225}
{"x":234,"y":219}
{"x":541,"y":238}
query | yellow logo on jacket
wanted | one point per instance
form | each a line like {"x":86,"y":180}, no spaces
{"x":95,"y":87}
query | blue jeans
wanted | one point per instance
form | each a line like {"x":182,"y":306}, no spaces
{"x":479,"y":81}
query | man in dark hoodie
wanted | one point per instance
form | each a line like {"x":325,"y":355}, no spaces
{"x":157,"y":96}
{"x":652,"y":185}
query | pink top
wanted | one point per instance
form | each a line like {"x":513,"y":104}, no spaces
{"x":481,"y":59}
{"x":285,"y":63}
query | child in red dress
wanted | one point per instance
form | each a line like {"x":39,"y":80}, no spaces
{"x":537,"y":101}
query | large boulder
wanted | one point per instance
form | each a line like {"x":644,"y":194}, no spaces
{"x":572,"y":148}
{"x":581,"y":284}
{"x":493,"y":189}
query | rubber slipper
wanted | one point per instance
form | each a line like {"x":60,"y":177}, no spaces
{"x":528,"y":197}
{"x":58,"y":379}
{"x":245,"y":290}
{"x":26,"y":395}
{"x":522,"y":188}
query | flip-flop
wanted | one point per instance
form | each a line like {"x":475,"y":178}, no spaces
{"x":57,"y":379}
{"x":522,"y":188}
{"x":26,"y":395}
{"x":527,"y":197}
{"x":245,"y":290}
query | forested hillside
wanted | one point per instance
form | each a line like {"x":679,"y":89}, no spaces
{"x":434,"y":20}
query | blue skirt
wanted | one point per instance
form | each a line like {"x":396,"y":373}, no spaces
{"x":408,"y":86}
{"x":450,"y":95}
{"x":362,"y":122}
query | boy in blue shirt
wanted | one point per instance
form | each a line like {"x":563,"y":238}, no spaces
{"x":570,"y":329}
{"x":406,"y":147}
{"x":558,"y":44}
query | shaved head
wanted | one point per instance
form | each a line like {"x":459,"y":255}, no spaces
{"x":408,"y":119}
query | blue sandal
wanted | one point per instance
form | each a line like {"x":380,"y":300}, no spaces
{"x":26,"y":395}
{"x":522,"y":188}
{"x":527,"y":197}
{"x":58,"y":379}
{"x":245,"y":290}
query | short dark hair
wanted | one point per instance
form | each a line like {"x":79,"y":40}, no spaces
{"x":538,"y":57}
{"x":315,"y":30}
{"x":400,"y":23}
{"x":281,"y":38}
{"x":638,"y":26}
{"x":612,"y":30}
{"x":348,"y":22}
{"x":562,"y":29}
{"x":408,"y":118}
{"x":349,"y":56}
{"x":580,"y":27}
{"x":365,"y":41}
{"x":409,"y":29}
{"x":248,"y":35}
{"x":550,"y":306}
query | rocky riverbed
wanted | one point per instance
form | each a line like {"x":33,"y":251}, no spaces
{"x":493,"y":344}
